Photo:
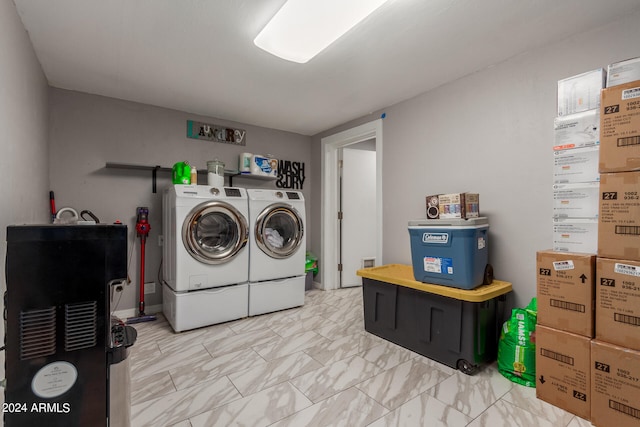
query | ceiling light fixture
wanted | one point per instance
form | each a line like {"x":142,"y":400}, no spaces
{"x":303,"y":28}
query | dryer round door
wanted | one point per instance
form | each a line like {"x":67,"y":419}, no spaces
{"x":279,"y":230}
{"x":214,"y":232}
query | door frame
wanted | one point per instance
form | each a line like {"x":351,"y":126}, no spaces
{"x":330,"y":195}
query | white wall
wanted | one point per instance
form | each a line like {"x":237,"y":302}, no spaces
{"x":490,"y":132}
{"x":23,"y":128}
{"x":87,"y":131}
{"x":23,"y":134}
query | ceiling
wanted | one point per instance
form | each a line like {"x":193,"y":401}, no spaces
{"x":198,"y":56}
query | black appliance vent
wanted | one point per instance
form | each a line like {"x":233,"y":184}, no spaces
{"x":37,"y":333}
{"x":80,"y":325}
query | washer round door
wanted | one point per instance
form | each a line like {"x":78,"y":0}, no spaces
{"x":279,"y":230}
{"x":214,"y":232}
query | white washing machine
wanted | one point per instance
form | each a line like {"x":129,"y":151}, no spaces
{"x":277,"y":250}
{"x":205,"y":255}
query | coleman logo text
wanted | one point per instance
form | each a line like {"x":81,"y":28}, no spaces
{"x":435,"y":238}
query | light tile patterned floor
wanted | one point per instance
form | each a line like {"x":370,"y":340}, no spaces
{"x":314,"y":366}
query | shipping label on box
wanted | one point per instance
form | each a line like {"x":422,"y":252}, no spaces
{"x":576,"y":165}
{"x":623,"y":72}
{"x":577,"y":200}
{"x":575,"y":235}
{"x":565,"y":291}
{"x":615,"y":382}
{"x":620,"y":128}
{"x":619,"y":216}
{"x":577,"y":130}
{"x":618,"y":302}
{"x":563,"y":368}
{"x":581,"y":92}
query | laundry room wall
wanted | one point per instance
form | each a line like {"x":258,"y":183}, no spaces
{"x":23,"y":129}
{"x":492,"y":133}
{"x":87,"y":131}
{"x":23,"y":134}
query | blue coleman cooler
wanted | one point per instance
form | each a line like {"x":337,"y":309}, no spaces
{"x":451,"y":252}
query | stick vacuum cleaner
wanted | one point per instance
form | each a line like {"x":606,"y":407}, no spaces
{"x":142,"y":228}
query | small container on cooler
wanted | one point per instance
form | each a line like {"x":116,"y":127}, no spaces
{"x":451,"y":252}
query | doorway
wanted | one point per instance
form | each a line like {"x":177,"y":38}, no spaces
{"x":330,"y":244}
{"x":357,"y":211}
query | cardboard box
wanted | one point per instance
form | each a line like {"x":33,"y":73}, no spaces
{"x":581,"y":92}
{"x":577,"y":130}
{"x":576,"y":165}
{"x":623,"y":72}
{"x":618,"y":302}
{"x":563,"y":363}
{"x":433,"y":207}
{"x":619,"y":216}
{"x":576,"y":200}
{"x":615,"y":379}
{"x":620,"y":128}
{"x":565,"y":289}
{"x":455,"y":205}
{"x":575,"y":235}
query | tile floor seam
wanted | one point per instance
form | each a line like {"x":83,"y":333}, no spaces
{"x":533,"y":415}
{"x":480,"y":414}
{"x":390,"y":409}
{"x":311,"y":356}
{"x":236,"y":387}
{"x":544,"y":415}
{"x":524,"y":409}
{"x":372,"y":398}
{"x":172,"y":380}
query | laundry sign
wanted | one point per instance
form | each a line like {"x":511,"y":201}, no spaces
{"x":290,"y":174}
{"x":216,"y":133}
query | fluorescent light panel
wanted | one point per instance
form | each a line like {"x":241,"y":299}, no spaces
{"x":303,"y":28}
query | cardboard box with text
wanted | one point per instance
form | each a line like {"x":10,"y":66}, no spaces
{"x":615,"y":385}
{"x":455,"y":205}
{"x":619,"y":216}
{"x":581,"y":92}
{"x":620,"y":128}
{"x":618,"y":302}
{"x":565,"y":290}
{"x":563,"y":363}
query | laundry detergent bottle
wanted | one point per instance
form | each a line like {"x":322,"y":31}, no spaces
{"x":182,"y":173}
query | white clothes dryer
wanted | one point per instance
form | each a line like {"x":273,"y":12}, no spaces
{"x":205,"y":249}
{"x":277,"y":250}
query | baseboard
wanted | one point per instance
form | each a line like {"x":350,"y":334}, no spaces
{"x":133,"y":312}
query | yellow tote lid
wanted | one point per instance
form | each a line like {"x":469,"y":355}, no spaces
{"x":402,"y":275}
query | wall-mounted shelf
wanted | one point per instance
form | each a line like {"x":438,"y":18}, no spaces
{"x":155,"y":169}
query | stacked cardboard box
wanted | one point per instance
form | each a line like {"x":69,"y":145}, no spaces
{"x":455,"y":205}
{"x":576,"y":156}
{"x":566,"y":274}
{"x":615,"y":352}
{"x":588,"y":337}
{"x":565,"y":289}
